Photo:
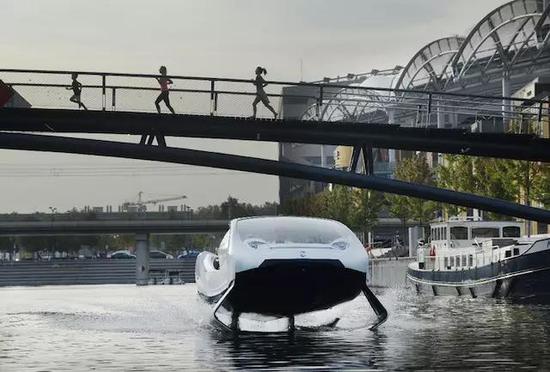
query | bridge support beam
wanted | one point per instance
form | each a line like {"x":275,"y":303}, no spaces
{"x":142,"y":259}
{"x":34,"y":142}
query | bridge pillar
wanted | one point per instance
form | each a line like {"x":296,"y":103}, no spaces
{"x":506,"y":103}
{"x":391,"y":120}
{"x":142,"y":259}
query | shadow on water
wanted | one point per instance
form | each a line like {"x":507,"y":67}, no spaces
{"x":301,"y":349}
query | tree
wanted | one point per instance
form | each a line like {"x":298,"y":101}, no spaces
{"x":337,"y":204}
{"x":367,"y":205}
{"x":414,"y":170}
{"x":512,"y":180}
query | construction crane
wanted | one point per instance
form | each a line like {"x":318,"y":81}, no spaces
{"x":141,"y":205}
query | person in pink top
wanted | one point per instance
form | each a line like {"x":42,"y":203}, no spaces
{"x":165,"y":83}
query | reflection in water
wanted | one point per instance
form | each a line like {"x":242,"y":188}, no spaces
{"x":157,"y":328}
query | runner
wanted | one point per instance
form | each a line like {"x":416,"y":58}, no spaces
{"x":261,"y":96}
{"x":164,"y":90}
{"x":76,"y":87}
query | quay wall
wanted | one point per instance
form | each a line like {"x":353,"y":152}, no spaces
{"x":382,"y":272}
{"x":388,"y":272}
{"x":68,"y":272}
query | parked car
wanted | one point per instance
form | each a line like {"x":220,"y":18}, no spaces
{"x":188,"y":254}
{"x":160,"y":254}
{"x":121,"y":255}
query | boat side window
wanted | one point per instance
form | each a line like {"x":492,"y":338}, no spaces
{"x":459,"y":233}
{"x":464,"y":261}
{"x":446,"y":262}
{"x":471,"y":260}
{"x":511,"y":232}
{"x":457,"y":261}
{"x":485,"y":232}
{"x":444,"y":233}
{"x":507,"y":253}
{"x":452,"y":261}
{"x":516,"y":251}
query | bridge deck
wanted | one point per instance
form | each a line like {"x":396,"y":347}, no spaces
{"x":449,"y":141}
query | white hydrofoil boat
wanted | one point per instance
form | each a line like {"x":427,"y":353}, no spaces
{"x":284,"y":266}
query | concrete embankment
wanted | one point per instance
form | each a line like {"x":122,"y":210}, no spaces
{"x":67,"y":272}
{"x":386,"y":272}
{"x":382,"y":272}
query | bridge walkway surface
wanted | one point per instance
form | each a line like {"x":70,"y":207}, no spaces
{"x":214,"y":107}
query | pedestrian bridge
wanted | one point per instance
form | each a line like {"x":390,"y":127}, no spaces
{"x":208,"y":107}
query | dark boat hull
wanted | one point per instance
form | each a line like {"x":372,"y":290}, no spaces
{"x":289,"y":287}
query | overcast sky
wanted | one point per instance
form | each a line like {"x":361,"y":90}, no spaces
{"x":208,"y":38}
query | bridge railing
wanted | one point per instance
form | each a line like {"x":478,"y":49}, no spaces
{"x":323,"y":102}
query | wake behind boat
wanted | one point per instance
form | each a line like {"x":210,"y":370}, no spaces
{"x":483,"y":258}
{"x":284,"y":266}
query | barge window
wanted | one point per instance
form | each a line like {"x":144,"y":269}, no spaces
{"x":516,"y":251}
{"x":511,"y":232}
{"x":471,"y":260}
{"x":485,"y":232}
{"x":446,"y":262}
{"x":464,"y":263}
{"x":508,"y":254}
{"x":452,"y":261}
{"x":457,"y":261}
{"x":459,"y":233}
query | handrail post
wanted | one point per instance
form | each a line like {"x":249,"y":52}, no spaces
{"x":213,"y":98}
{"x":539,"y":118}
{"x":320,"y":103}
{"x":103,"y":92}
{"x":113,"y":99}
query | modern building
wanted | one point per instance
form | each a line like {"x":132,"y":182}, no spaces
{"x":506,"y":52}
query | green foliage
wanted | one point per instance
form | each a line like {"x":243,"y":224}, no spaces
{"x":512,"y":180}
{"x":414,"y":170}
{"x":232,"y":208}
{"x":355,"y":208}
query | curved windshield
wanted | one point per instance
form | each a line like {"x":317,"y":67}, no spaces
{"x":285,"y":230}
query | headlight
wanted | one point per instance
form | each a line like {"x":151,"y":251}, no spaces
{"x":255,"y":243}
{"x":340,"y":244}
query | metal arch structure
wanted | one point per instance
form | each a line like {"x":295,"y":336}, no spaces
{"x":512,"y":36}
{"x":431,"y":67}
{"x":351,"y":105}
{"x":360,"y":103}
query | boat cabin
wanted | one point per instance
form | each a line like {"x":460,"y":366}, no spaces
{"x":463,"y":233}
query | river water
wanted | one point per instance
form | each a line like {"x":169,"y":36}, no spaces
{"x":123,"y":327}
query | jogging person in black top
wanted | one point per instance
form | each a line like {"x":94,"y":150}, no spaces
{"x":164,"y":90}
{"x":76,"y":87}
{"x":261,"y":96}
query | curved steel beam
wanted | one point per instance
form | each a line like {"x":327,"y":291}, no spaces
{"x":458,"y":39}
{"x":33,"y":142}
